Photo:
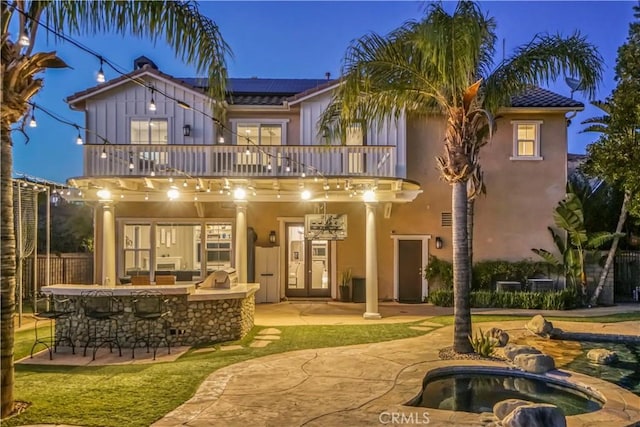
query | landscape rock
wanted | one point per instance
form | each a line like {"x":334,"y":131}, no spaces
{"x":540,"y":326}
{"x":535,"y":415}
{"x":512,"y":350}
{"x":602,"y":356}
{"x":505,"y":407}
{"x":501,"y":337}
{"x":534,"y":363}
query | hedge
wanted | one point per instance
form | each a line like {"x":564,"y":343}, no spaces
{"x":559,"y":300}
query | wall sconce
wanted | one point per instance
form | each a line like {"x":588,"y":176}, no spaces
{"x":439,"y":242}
{"x":272,"y":236}
{"x":186,"y":130}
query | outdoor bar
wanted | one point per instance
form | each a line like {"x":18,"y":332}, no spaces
{"x":217,"y":309}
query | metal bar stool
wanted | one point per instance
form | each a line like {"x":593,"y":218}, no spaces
{"x":58,"y":309}
{"x":101,"y":310}
{"x":152,"y":326}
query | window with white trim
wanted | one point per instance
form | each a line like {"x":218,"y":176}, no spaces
{"x":263,"y":132}
{"x":526,"y":140}
{"x":149,"y":131}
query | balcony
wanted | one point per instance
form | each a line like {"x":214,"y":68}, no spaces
{"x":239,"y":161}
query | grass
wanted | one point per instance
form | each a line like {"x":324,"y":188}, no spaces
{"x":138,"y":395}
{"x":477,"y":318}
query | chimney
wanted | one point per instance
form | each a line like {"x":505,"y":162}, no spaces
{"x":142,"y":61}
{"x":327,"y":75}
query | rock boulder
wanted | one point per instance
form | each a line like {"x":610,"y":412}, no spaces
{"x":512,"y":350}
{"x":540,"y":326}
{"x":535,"y":415}
{"x":534,"y":363}
{"x":505,"y":407}
{"x":501,"y":337}
{"x":602,"y":356}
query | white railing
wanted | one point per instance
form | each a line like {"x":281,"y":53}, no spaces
{"x":238,"y":160}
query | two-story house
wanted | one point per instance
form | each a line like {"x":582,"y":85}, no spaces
{"x":177,"y":191}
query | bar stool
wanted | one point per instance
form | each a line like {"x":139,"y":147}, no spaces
{"x":58,"y":309}
{"x":151,"y":325}
{"x":101,"y":310}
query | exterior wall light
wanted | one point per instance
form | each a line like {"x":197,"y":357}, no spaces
{"x":369,"y":196}
{"x":186,"y":130}
{"x":173,"y":193}
{"x":104,"y":194}
{"x":305,"y":195}
{"x":272,"y":236}
{"x":439,"y":242}
{"x":239,"y":193}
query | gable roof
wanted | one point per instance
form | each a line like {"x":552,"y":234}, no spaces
{"x":263,"y":92}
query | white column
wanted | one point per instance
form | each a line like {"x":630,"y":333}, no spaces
{"x":241,"y":241}
{"x":108,"y":246}
{"x":371,"y":262}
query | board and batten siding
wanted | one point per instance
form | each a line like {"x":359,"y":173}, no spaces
{"x":392,"y":132}
{"x":109,"y":115}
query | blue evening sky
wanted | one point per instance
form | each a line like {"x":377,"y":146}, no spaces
{"x":298,"y":40}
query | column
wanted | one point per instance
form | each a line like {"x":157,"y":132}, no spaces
{"x":371,"y":263}
{"x":241,"y":241}
{"x":108,"y":246}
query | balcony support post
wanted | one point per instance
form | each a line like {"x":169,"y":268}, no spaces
{"x":241,"y":241}
{"x":108,"y":246}
{"x":371,"y":263}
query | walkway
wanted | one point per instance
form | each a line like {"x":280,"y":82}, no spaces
{"x":358,"y":385}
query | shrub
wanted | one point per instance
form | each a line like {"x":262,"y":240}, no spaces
{"x":483,"y":344}
{"x":486,"y":272}
{"x":440,"y":270}
{"x":441,"y":298}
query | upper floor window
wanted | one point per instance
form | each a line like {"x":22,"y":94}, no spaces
{"x":259,"y":133}
{"x":526,"y":140}
{"x":149,"y":131}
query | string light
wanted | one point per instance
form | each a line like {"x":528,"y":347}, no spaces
{"x":32,"y":122}
{"x":152,"y":103}
{"x":79,"y":138}
{"x":103,"y":155}
{"x":100,"y":77}
{"x":24,"y":40}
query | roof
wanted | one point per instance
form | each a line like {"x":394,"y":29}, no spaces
{"x":262,"y":92}
{"x":538,"y":97}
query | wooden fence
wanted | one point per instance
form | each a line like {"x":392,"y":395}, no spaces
{"x":74,"y":268}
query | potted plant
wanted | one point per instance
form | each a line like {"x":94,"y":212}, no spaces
{"x":345,"y":285}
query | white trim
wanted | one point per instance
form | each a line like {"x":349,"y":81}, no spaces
{"x":425,"y":258}
{"x":315,"y":93}
{"x":536,"y":147}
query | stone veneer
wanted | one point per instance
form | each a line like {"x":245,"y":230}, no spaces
{"x":189,"y":321}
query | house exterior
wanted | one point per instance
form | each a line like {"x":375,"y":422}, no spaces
{"x":264,"y":192}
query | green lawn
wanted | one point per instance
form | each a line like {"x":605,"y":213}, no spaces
{"x":138,"y":395}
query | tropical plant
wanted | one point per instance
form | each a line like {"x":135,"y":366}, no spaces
{"x":194,"y":37}
{"x":483,"y":343}
{"x":574,"y":250}
{"x":615,"y":156}
{"x":443,"y":65}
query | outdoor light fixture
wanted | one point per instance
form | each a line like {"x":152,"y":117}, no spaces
{"x":103,"y":155}
{"x":24,"y":40}
{"x":104,"y":194}
{"x":186,"y":130}
{"x":369,"y":196}
{"x":239,"y":193}
{"x":32,"y":122}
{"x":152,"y":103}
{"x":272,"y":236}
{"x":439,"y":242}
{"x":305,"y":195}
{"x":173,"y":193}
{"x":221,"y":139}
{"x":100,"y":77}
{"x":79,"y":139}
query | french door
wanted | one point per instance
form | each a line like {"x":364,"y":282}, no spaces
{"x":307,"y":264}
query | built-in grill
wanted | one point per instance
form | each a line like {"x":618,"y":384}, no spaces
{"x":226,"y":278}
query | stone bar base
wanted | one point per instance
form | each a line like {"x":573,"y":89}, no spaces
{"x":197,"y":315}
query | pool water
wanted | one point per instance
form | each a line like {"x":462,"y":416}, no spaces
{"x":625,"y":372}
{"x":478,"y":392}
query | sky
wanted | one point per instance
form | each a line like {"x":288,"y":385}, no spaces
{"x":299,"y":39}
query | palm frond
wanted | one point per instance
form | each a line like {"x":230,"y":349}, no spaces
{"x":195,"y":38}
{"x":543,"y":60}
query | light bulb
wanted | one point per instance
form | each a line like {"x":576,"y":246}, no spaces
{"x":153,"y":173}
{"x":269,"y":167}
{"x":146,"y":196}
{"x":24,"y":40}
{"x":239,"y":193}
{"x":32,"y":122}
{"x":103,"y":155}
{"x":305,"y":195}
{"x":152,"y":105}
{"x":303,"y":175}
{"x":221,"y":139}
{"x":288,"y":169}
{"x":79,"y":140}
{"x":247,"y":152}
{"x":100,"y":77}
{"x":131,"y":165}
{"x":184,"y":184}
{"x":173,"y":193}
{"x":278,"y":195}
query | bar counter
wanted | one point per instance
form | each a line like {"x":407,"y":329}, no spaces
{"x":196,"y":315}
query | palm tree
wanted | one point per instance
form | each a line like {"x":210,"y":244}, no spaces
{"x":195,"y":38}
{"x":443,"y":65}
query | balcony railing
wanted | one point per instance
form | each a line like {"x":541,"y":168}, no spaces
{"x":238,"y":160}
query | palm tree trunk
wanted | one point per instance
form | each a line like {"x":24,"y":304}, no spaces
{"x":461,"y":306}
{"x":470,"y":212}
{"x":8,"y":278}
{"x":612,"y":251}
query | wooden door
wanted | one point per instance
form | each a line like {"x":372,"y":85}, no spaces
{"x":410,"y":270}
